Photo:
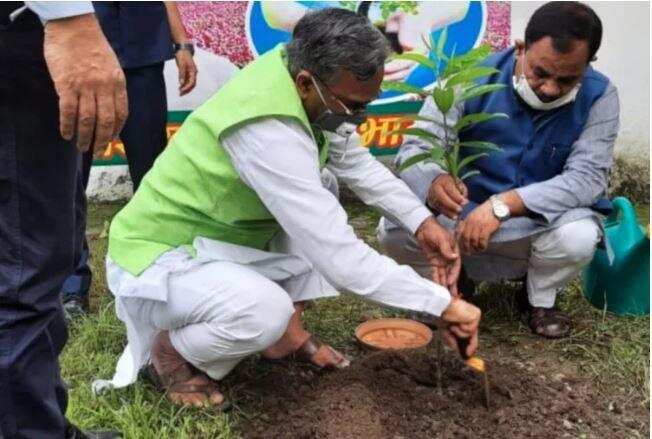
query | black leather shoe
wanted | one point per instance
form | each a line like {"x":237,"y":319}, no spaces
{"x":73,"y":432}
{"x":74,"y":306}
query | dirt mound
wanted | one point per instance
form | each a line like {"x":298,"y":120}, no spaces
{"x":399,"y":395}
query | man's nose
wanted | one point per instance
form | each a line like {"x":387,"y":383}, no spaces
{"x":550,"y":89}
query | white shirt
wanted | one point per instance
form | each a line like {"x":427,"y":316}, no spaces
{"x":54,"y":10}
{"x":278,"y":159}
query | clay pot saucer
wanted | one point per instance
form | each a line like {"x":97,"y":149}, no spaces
{"x":383,"y":334}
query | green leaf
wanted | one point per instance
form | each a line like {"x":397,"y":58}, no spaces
{"x":442,"y":164}
{"x":470,"y":74}
{"x":471,"y":119}
{"x":466,"y":60}
{"x":444,"y":98}
{"x":469,"y":174}
{"x":466,"y":161}
{"x":478,"y":90}
{"x":437,"y":153}
{"x":419,"y":132}
{"x":402,"y":87}
{"x":443,"y":36}
{"x":474,"y":55}
{"x":413,"y":160}
{"x":478,"y":144}
{"x":417,"y":57}
{"x":415,"y":117}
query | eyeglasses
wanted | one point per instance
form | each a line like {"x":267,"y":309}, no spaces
{"x":358,"y":109}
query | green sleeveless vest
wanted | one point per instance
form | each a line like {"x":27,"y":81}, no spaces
{"x":193,"y":189}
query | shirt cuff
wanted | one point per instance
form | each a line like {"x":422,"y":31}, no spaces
{"x":529,"y":195}
{"x":440,"y":301}
{"x":415,"y":218}
{"x":55,"y":10}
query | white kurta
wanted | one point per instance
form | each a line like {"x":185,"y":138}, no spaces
{"x":318,"y":253}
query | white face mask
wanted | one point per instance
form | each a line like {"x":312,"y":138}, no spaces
{"x":522,"y":87}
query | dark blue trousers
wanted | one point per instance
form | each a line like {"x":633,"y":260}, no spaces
{"x":39,"y":240}
{"x":144,"y":137}
{"x":144,"y":134}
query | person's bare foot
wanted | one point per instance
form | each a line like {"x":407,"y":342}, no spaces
{"x":184,"y":384}
{"x":296,"y":338}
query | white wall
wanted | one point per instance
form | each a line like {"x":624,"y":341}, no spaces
{"x":625,"y":58}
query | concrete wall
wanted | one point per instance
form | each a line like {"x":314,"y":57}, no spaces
{"x":625,"y":58}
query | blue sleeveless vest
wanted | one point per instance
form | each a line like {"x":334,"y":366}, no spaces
{"x":535,"y":144}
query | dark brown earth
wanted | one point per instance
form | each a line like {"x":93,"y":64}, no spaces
{"x":396,"y":395}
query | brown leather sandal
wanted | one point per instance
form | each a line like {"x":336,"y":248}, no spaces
{"x":170,"y":373}
{"x":175,"y":381}
{"x":549,"y":322}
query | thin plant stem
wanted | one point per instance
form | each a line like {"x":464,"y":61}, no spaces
{"x":440,"y":352}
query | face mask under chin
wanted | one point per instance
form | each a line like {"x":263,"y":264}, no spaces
{"x":523,"y":89}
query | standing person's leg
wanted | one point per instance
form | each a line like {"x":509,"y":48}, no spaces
{"x":76,"y":287}
{"x":144,"y":135}
{"x":37,"y":182}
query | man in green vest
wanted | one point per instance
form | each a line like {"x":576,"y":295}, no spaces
{"x":236,"y":226}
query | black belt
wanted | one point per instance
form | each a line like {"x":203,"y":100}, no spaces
{"x":26,"y":20}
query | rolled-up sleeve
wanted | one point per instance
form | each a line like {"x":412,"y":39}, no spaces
{"x":585,"y":176}
{"x":278,"y":160}
{"x":54,"y":10}
{"x":419,"y":176}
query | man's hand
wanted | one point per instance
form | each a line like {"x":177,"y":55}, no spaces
{"x":446,"y":196}
{"x":476,"y":230}
{"x":463,"y":321}
{"x":88,"y":80}
{"x":185,"y":63}
{"x":441,"y":250}
{"x":187,"y":71}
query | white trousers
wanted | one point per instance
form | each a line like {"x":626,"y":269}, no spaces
{"x":550,"y":259}
{"x":218,"y":313}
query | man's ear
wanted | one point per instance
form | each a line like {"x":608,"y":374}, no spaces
{"x":520,"y":46}
{"x":303,"y":83}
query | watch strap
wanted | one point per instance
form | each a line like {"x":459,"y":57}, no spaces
{"x":184,"y":46}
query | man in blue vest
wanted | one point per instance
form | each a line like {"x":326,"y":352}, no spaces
{"x":532,"y":212}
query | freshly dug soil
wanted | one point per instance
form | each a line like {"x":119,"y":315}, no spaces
{"x":397,"y":395}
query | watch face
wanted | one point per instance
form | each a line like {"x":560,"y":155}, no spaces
{"x":501,"y":210}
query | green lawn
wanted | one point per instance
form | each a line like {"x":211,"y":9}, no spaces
{"x":611,"y":351}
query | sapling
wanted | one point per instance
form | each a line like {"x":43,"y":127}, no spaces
{"x":455,"y":83}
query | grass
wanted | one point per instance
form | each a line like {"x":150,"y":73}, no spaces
{"x":612,"y":351}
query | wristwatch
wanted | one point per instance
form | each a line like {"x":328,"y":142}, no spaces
{"x":184,"y":46}
{"x":499,"y":208}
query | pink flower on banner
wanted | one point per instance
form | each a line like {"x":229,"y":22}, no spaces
{"x":498,"y":26}
{"x":218,"y":27}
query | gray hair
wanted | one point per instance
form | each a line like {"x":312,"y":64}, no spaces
{"x":327,"y":41}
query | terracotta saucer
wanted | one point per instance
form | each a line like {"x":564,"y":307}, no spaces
{"x":382,"y":334}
